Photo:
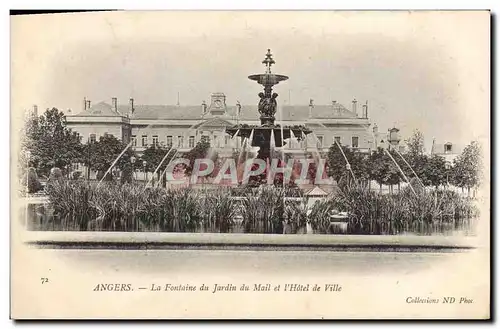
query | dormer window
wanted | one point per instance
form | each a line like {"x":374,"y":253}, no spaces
{"x":447,"y":148}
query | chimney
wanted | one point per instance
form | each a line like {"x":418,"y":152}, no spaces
{"x":203,"y":108}
{"x":365,"y":110}
{"x":85,"y":103}
{"x":311,"y":106}
{"x":131,"y":106}
{"x":355,"y":107}
{"x":336,"y":108}
{"x":375,"y":135}
{"x":114,"y":104}
{"x":88,"y":104}
{"x":35,"y":111}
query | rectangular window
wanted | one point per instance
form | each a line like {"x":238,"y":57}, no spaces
{"x":180,"y":141}
{"x":447,"y":148}
{"x":144,"y":140}
{"x":355,"y":141}
{"x":169,"y":141}
{"x":320,"y":141}
{"x":337,"y":139}
{"x":92,"y":138}
{"x":134,"y":140}
{"x":155,"y":140}
{"x":191,"y":142}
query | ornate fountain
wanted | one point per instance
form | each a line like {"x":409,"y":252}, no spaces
{"x":261,"y":135}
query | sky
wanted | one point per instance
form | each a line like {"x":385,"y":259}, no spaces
{"x":417,"y":70}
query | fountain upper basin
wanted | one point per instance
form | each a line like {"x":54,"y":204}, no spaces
{"x":268,"y":79}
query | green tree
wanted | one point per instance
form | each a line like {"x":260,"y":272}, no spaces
{"x":415,"y":146}
{"x":153,"y":155}
{"x":435,"y":172}
{"x":337,"y":166}
{"x":100,"y":155}
{"x":467,"y":167}
{"x":414,"y":156}
{"x":202,"y":150}
{"x":51,"y":143}
{"x":383,"y":170}
{"x":336,"y":162}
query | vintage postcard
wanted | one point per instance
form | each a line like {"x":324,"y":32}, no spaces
{"x":250,"y":165}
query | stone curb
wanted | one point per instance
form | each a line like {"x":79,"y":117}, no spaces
{"x":155,"y":240}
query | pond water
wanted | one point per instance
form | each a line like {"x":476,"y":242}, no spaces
{"x":40,"y":217}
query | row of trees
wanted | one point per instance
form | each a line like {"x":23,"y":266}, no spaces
{"x":418,"y":167}
{"x":51,"y":144}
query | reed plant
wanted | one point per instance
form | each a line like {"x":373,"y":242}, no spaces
{"x":424,"y":212}
{"x":71,"y":204}
{"x":319,"y":216}
{"x":296,"y":216}
{"x":263,"y":210}
{"x":219,"y":211}
{"x":114,"y":207}
{"x":80,"y":205}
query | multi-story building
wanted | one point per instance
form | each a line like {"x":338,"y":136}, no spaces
{"x":183,"y":126}
{"x":448,"y":151}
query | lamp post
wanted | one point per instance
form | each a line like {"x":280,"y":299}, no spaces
{"x":144,"y":164}
{"x":89,"y":144}
{"x":132,"y":160}
{"x":447,"y":167}
{"x":28,"y":155}
{"x":348,"y":168}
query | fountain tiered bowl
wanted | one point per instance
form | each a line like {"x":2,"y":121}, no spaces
{"x":268,"y":79}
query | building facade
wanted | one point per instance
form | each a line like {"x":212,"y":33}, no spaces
{"x":182,"y":127}
{"x":449,"y":151}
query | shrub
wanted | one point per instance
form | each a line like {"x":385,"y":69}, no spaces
{"x":31,"y":180}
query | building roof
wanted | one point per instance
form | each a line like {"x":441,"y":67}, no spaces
{"x":316,"y":191}
{"x":193,"y":112}
{"x":101,"y":109}
{"x":439,"y":148}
